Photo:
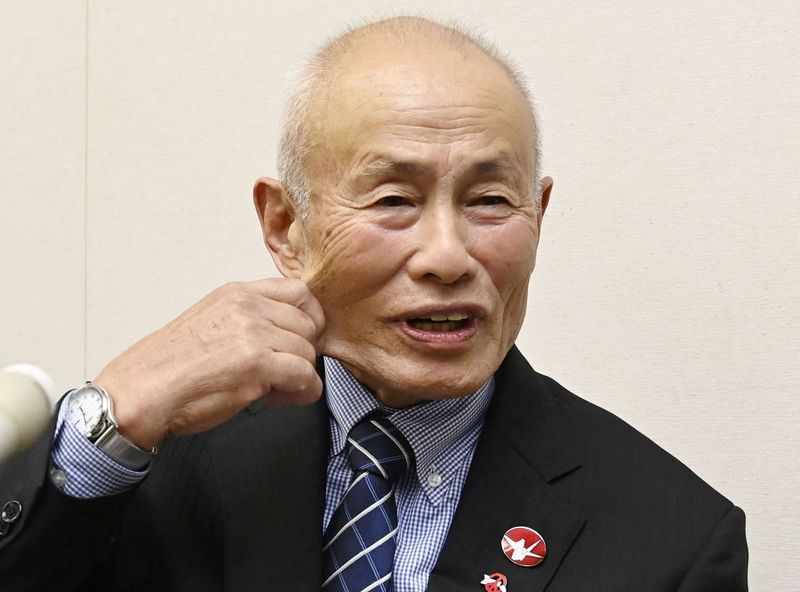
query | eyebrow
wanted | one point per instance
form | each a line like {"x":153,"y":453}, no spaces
{"x":486,"y":167}
{"x":388,"y":166}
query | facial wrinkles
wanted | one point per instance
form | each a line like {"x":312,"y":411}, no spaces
{"x":344,"y":275}
{"x":339,"y":239}
{"x":455,"y":170}
{"x":513,"y":312}
{"x":349,"y":235}
{"x":438,"y":127}
{"x":338,"y":236}
{"x":358,"y":267}
{"x":449,"y":125}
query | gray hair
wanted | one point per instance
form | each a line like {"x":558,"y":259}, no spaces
{"x":296,"y":142}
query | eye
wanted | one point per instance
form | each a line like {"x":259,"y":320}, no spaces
{"x":393,"y":201}
{"x":490,"y":200}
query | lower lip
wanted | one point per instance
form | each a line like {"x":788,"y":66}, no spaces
{"x":441,"y":337}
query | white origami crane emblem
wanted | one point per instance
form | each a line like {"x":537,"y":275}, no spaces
{"x":520,"y":551}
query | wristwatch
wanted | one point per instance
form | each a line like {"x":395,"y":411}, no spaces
{"x":91,"y":411}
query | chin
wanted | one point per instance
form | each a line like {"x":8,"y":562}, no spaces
{"x":430,"y":384}
{"x":405,"y":376}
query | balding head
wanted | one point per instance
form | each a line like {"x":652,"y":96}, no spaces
{"x":407,"y":44}
{"x":410,"y":154}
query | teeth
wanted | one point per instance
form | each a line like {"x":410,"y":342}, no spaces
{"x":453,"y":316}
{"x":452,"y":321}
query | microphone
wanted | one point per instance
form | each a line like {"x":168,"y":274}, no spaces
{"x":27,"y":397}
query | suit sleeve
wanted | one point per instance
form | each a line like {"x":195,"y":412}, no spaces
{"x":54,"y":541}
{"x":721,"y":565}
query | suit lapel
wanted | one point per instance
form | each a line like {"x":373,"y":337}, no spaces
{"x":522,"y":450}
{"x":272,"y":488}
{"x":272,"y":472}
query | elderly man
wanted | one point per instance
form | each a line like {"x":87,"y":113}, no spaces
{"x":413,"y":447}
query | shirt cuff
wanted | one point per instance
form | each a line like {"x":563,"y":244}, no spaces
{"x":83,"y":470}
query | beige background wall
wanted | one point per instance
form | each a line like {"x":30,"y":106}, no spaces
{"x":667,"y":289}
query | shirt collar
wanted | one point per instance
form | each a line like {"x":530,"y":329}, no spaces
{"x":430,"y":427}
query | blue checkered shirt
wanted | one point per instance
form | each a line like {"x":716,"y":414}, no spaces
{"x":442,"y":434}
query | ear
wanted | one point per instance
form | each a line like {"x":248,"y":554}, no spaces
{"x":547,"y":187}
{"x":279,"y":226}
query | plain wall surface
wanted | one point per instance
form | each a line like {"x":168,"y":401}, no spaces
{"x":667,"y":288}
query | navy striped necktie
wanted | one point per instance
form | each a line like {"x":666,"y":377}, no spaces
{"x":359,"y":543}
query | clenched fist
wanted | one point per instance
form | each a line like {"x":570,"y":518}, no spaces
{"x":242,"y":342}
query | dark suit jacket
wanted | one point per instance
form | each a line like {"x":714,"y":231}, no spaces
{"x":239,"y":508}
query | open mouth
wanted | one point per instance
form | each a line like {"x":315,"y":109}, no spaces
{"x":441,"y":323}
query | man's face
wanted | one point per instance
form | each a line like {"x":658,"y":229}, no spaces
{"x":423,"y":226}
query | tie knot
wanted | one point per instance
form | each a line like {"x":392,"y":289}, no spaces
{"x":378,"y":447}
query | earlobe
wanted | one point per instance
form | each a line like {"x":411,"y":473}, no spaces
{"x":276,"y":214}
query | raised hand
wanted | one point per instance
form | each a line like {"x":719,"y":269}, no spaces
{"x":242,"y":342}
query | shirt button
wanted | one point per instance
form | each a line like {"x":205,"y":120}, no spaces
{"x":58,"y":477}
{"x":434,"y":479}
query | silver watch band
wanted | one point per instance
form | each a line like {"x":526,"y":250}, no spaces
{"x":117,"y":446}
{"x":122,"y":450}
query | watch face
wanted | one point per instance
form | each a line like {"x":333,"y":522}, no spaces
{"x":85,"y":410}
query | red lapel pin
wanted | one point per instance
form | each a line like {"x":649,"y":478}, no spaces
{"x":524,"y":546}
{"x":495,"y":582}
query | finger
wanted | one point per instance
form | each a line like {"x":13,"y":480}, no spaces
{"x":292,"y":374}
{"x":284,"y":316}
{"x":311,"y":306}
{"x":294,"y":292}
{"x":280,"y":340}
{"x":328,"y":345}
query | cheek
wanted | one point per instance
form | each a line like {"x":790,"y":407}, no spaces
{"x":352,"y":261}
{"x":509,"y":255}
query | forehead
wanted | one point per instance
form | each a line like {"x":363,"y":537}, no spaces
{"x":434,"y":104}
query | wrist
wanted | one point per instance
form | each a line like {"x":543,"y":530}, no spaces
{"x":90,"y":410}
{"x":132,"y":420}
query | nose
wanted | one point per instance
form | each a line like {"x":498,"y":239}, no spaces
{"x":442,"y":251}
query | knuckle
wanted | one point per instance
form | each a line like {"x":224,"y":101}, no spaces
{"x":239,"y":303}
{"x":230,"y":288}
{"x":227,"y":294}
{"x":246,"y":326}
{"x":308,"y":352}
{"x":305,"y":373}
{"x":307,"y":325}
{"x":297,"y":288}
{"x":250,"y":355}
{"x":311,"y":371}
